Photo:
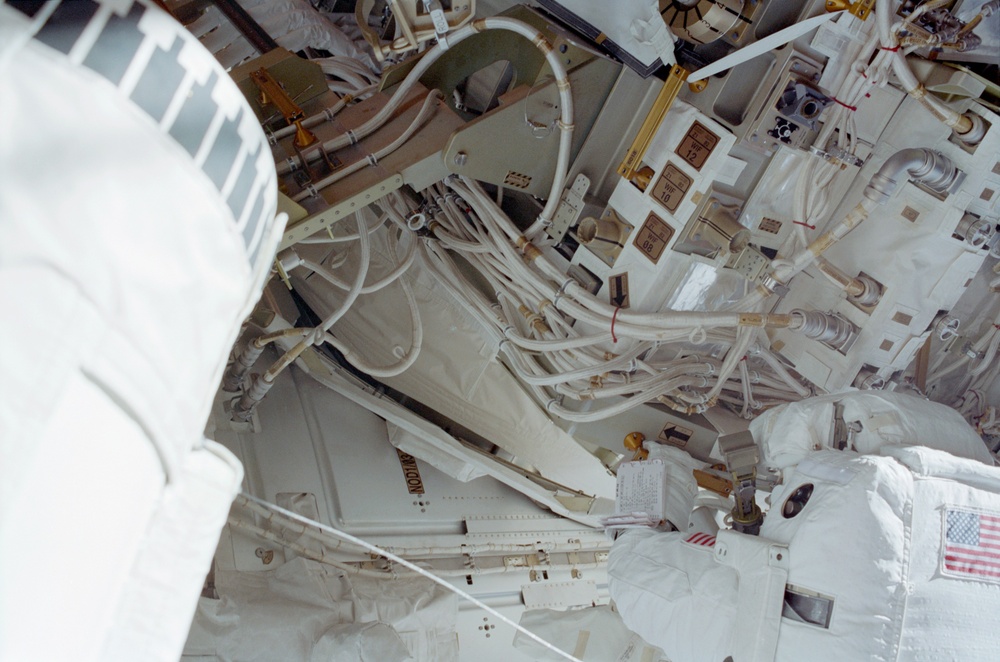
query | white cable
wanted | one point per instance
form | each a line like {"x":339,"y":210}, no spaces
{"x":428,"y":107}
{"x":415,"y":568}
{"x":359,"y":279}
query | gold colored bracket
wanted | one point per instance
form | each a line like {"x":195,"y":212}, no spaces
{"x":666,"y":98}
{"x":273,"y":93}
{"x":861,"y":9}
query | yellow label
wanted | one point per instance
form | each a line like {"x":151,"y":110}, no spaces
{"x":411,"y":472}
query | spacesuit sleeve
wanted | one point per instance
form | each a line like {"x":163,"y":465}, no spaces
{"x":787,"y":434}
{"x":670,"y":590}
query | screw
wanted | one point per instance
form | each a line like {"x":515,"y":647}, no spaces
{"x":461,"y":159}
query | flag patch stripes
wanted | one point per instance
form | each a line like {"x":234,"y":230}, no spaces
{"x":971,"y":548}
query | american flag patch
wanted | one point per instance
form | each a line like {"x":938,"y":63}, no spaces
{"x":971,"y":545}
{"x":702,"y":539}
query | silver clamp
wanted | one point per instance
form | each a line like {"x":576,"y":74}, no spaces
{"x":774,"y":285}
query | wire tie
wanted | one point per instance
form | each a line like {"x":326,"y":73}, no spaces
{"x":291,"y":164}
{"x":372,"y":160}
{"x":312,"y":190}
{"x":350,"y":136}
{"x":614,"y":317}
{"x":850,"y":108}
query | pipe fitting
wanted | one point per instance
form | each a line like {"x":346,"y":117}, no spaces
{"x":243,"y":408}
{"x":931,"y":169}
{"x":232,"y":380}
{"x":827,"y":328}
{"x":864,"y":291}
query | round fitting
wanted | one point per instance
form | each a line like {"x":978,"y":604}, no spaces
{"x":592,"y":230}
{"x":416,"y":221}
{"x":976,"y":133}
{"x":946,"y":327}
{"x":810,"y":109}
{"x":643,"y":178}
{"x":719,"y":225}
{"x":698,"y":85}
{"x":704,"y":21}
{"x":869,"y":380}
{"x":870,"y":293}
{"x":977,"y":232}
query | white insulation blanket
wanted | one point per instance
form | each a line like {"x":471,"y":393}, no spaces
{"x":304,"y":611}
{"x":457,"y":373}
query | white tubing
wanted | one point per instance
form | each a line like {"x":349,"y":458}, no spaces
{"x":431,"y":56}
{"x":426,"y":110}
{"x":991,"y":352}
{"x":326,"y":115}
{"x":406,"y":361}
{"x":780,"y":370}
{"x":389,"y":278}
{"x":359,"y":279}
{"x":940,"y":110}
{"x":417,"y":569}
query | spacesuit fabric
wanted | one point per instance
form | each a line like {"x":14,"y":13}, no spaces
{"x":871,"y":538}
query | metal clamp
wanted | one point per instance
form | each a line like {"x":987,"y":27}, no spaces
{"x":742,"y":455}
{"x":774,"y":285}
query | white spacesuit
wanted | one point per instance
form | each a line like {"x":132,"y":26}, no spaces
{"x":888,"y":549}
{"x":137,"y":216}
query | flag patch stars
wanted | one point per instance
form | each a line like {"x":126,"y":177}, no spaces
{"x":971,"y":545}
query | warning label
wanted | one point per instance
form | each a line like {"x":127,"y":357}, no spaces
{"x":671,"y":187}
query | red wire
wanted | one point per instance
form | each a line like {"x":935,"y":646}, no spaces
{"x":851,"y":108}
{"x":891,"y":50}
{"x":613,"y":318}
{"x":811,"y":227}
